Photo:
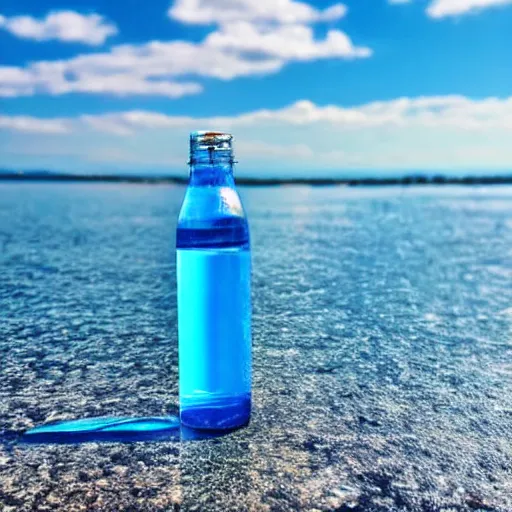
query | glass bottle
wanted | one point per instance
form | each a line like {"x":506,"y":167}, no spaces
{"x":214,"y":282}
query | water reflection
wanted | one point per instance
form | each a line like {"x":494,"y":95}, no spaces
{"x":117,"y":429}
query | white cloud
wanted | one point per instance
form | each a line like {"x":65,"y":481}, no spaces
{"x":251,"y":38}
{"x":444,"y":8}
{"x":405,"y":133}
{"x":443,"y":111}
{"x":65,"y":26}
{"x":274,"y":11}
{"x":156,"y":67}
{"x":287,"y":42}
{"x":15,"y":81}
{"x":456,"y":112}
{"x":61,"y":77}
{"x":29,"y":124}
{"x":158,"y":59}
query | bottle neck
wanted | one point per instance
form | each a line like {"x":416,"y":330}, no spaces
{"x":211,"y":159}
{"x":218,"y":174}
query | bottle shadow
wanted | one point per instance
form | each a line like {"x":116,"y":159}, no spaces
{"x":117,"y":429}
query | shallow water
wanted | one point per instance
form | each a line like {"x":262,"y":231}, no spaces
{"x":382,"y":335}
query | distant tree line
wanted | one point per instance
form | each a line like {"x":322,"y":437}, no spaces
{"x":418,"y":179}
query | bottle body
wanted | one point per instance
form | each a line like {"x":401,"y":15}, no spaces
{"x":214,"y":305}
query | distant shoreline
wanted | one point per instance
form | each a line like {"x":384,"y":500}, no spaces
{"x":353,"y":182}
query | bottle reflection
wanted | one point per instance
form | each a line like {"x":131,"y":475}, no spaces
{"x":118,"y":429}
{"x":106,"y":429}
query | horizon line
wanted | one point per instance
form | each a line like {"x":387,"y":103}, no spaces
{"x":416,"y":178}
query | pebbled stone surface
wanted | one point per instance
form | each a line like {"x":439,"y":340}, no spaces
{"x":382,"y":351}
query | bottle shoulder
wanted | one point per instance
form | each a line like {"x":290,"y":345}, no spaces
{"x":202,"y":203}
{"x":212,"y":217}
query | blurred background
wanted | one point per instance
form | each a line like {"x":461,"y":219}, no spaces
{"x":309,"y":89}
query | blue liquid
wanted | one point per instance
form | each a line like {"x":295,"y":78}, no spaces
{"x":214,"y":319}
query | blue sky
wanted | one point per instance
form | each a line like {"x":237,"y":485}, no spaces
{"x":307,"y":88}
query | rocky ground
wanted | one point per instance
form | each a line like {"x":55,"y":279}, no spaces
{"x":382,"y":376}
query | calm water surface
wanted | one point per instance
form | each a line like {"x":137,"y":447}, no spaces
{"x":382,"y":350}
